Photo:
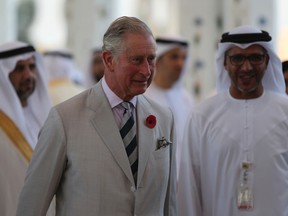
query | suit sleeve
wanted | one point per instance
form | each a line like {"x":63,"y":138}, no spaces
{"x":45,"y":170}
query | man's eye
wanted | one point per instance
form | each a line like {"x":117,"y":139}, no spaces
{"x":32,"y":67}
{"x":256,"y":57}
{"x":151,"y":60}
{"x":19,"y":68}
{"x":136,"y":60}
{"x":174,"y":57}
{"x":238,"y":58}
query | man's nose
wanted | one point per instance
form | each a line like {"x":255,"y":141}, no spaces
{"x":181,"y":62}
{"x":27,"y":73}
{"x":146,"y":68}
{"x":246,"y":65}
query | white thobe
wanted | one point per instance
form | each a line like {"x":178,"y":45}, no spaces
{"x":33,"y":126}
{"x":221,"y":134}
{"x":13,"y":168}
{"x":181,"y":103}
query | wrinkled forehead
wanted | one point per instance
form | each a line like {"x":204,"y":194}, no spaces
{"x":141,"y":49}
{"x":138,"y":42}
{"x":143,"y":52}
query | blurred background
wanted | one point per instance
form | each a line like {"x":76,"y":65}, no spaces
{"x":78,"y":26}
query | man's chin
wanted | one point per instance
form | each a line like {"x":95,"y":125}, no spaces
{"x":140,"y":91}
{"x":25,"y":95}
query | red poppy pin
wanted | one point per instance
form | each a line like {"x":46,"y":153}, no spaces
{"x":151,"y":121}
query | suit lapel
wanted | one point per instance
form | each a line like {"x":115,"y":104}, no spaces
{"x":145,"y":135}
{"x":105,"y":124}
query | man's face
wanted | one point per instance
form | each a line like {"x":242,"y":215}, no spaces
{"x":171,"y":64}
{"x":23,"y":79}
{"x":131,"y":72}
{"x":97,"y":69}
{"x":246,"y":78}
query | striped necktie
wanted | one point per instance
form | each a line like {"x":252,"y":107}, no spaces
{"x":128,"y":134}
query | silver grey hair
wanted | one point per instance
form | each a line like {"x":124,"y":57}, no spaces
{"x":113,"y":37}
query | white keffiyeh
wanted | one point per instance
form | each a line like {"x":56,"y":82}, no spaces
{"x":273,"y":78}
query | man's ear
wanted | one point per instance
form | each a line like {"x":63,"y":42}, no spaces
{"x":108,"y":60}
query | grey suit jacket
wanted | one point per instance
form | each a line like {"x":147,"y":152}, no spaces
{"x":81,"y":158}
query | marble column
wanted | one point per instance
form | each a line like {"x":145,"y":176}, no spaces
{"x":8,"y":30}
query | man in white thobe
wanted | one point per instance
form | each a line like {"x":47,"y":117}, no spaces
{"x":235,"y":153}
{"x":23,"y":88}
{"x":167,"y":88}
{"x":24,"y":106}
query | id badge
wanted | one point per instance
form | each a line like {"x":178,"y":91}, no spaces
{"x":245,"y":190}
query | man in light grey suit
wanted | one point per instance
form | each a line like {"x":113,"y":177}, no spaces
{"x":80,"y":156}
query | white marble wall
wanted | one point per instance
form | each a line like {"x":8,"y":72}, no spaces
{"x":84,"y":23}
{"x":198,"y":23}
{"x":7,"y":20}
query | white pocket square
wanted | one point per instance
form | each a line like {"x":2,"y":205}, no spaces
{"x":163,"y":143}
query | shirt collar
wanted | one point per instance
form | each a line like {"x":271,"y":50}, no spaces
{"x":113,"y":99}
